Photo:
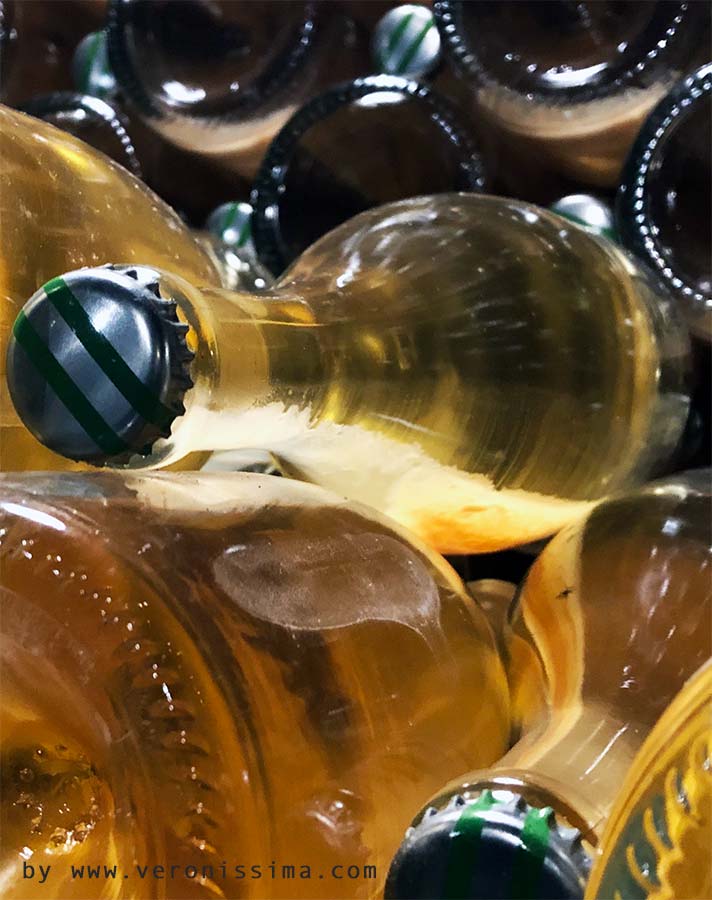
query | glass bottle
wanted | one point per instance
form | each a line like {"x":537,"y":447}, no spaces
{"x":239,"y":269}
{"x":613,"y":618}
{"x":62,"y":205}
{"x":657,"y":841}
{"x":225,"y":670}
{"x":564,"y":85}
{"x":475,"y":367}
{"x":320,"y":170}
{"x":662,"y":210}
{"x":221,"y":78}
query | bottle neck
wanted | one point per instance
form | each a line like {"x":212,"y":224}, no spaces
{"x":577,"y":762}
{"x":257,"y":357}
{"x":270,"y":368}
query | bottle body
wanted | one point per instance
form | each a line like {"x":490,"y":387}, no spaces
{"x":461,"y":362}
{"x":234,"y":678}
{"x":612,"y":619}
{"x":659,"y":834}
{"x":63,"y":205}
{"x":619,"y":612}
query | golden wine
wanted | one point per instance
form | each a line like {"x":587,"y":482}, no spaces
{"x":658,"y":839}
{"x":613,"y":618}
{"x":477,"y":368}
{"x":63,"y":205}
{"x":195,"y":681}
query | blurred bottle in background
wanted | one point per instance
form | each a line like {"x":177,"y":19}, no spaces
{"x":221,"y":78}
{"x":92,"y":120}
{"x":563,"y":87}
{"x":613,"y":618}
{"x":359,"y":145}
{"x":663,"y":210}
{"x":37,"y":44}
{"x":663,"y":216}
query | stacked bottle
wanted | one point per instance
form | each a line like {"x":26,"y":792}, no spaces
{"x":564,"y":87}
{"x":480,"y":419}
{"x":46,"y":173}
{"x":613,"y":618}
{"x":209,"y":672}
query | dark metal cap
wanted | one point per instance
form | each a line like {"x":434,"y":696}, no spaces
{"x":97,"y":364}
{"x":493,"y":847}
{"x":406,"y":42}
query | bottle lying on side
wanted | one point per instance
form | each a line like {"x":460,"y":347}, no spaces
{"x":222,"y":670}
{"x":475,"y":367}
{"x":611,"y":621}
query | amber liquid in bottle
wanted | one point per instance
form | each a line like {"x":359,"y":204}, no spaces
{"x":62,"y":206}
{"x":279,"y":678}
{"x":461,"y":362}
{"x":612,"y":619}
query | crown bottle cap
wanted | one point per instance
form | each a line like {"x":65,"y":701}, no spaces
{"x":91,"y":71}
{"x":231,"y":223}
{"x":97,"y":364}
{"x":493,"y":847}
{"x":406,"y":42}
{"x":592,"y":213}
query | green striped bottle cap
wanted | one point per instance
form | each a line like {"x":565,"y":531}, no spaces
{"x":231,"y":223}
{"x":97,"y":364}
{"x":91,"y":71}
{"x":592,"y":213}
{"x":406,"y":42}
{"x":493,"y":846}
